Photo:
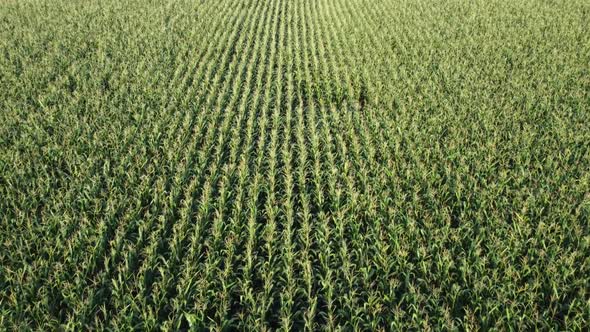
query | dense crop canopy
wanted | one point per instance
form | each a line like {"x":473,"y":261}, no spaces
{"x":295,"y":164}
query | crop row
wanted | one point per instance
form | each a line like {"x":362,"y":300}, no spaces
{"x":348,"y":164}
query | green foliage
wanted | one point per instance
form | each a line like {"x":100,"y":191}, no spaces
{"x":296,"y":165}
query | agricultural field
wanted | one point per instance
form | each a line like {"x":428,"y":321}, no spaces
{"x":378,"y":165}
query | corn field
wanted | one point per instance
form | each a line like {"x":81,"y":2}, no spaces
{"x":375,"y":165}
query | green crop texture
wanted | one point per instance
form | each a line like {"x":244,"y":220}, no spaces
{"x":378,"y":165}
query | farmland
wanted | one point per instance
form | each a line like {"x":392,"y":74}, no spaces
{"x":296,"y":165}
